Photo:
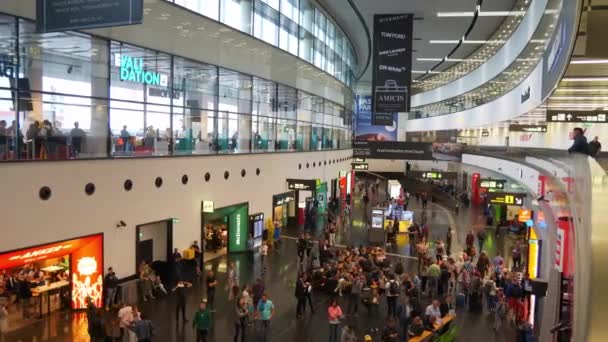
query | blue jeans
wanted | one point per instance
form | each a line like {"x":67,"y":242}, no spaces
{"x":110,"y":295}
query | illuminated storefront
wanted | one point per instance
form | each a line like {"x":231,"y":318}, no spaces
{"x":75,"y":265}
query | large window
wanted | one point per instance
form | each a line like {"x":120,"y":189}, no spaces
{"x":266,"y":23}
{"x":208,"y":8}
{"x":69,"y":95}
{"x":237,"y":14}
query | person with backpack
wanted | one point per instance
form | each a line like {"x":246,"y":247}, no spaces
{"x":481,"y":238}
{"x":516,"y":255}
{"x":143,"y":328}
{"x":392,"y":294}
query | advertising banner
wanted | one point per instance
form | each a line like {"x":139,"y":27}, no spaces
{"x":238,"y":229}
{"x":392,"y":73}
{"x":395,"y":150}
{"x":367,"y":130}
{"x":62,"y":15}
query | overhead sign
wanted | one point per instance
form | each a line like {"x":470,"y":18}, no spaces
{"x":396,"y":150}
{"x":528,"y":128}
{"x":485,"y":133}
{"x":392,"y":73}
{"x":68,"y":15}
{"x":208,"y":206}
{"x":492,"y":183}
{"x":360,"y":167}
{"x":432,"y":175}
{"x":7,"y":67}
{"x":577,"y":117}
{"x":301,"y":184}
{"x":358,"y":160}
{"x":508,"y":198}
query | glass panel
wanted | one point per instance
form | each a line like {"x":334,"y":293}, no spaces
{"x":286,"y":135}
{"x":331,"y":34}
{"x":307,"y":15}
{"x":272,"y":3}
{"x":303,"y":136}
{"x":265,"y":23}
{"x":316,"y":138}
{"x":319,"y":54}
{"x":288,"y":36}
{"x":140,"y":122}
{"x":287,"y":102}
{"x":306,"y":48}
{"x":235,"y":97}
{"x":327,"y":138}
{"x":237,"y":14}
{"x":304,"y":106}
{"x":8,"y":70}
{"x":61,"y":126}
{"x":263,"y":133}
{"x":320,"y":26}
{"x":289,"y":8}
{"x":208,"y":8}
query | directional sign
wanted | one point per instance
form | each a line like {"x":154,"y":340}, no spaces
{"x":358,"y":160}
{"x":360,"y":166}
{"x":577,"y":117}
{"x":432,"y":175}
{"x":492,"y":183}
{"x":508,"y":198}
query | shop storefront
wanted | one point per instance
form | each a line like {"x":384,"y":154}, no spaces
{"x":225,"y":230}
{"x":154,"y":245}
{"x":61,"y":275}
{"x":305,"y":195}
{"x":284,"y":208}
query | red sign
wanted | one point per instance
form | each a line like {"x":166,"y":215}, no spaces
{"x":524,"y":215}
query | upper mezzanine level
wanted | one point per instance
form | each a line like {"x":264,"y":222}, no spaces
{"x":190,"y":107}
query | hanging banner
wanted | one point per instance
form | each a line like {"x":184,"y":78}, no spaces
{"x":395,"y":150}
{"x":366,"y":130}
{"x":63,"y":15}
{"x":392,"y":73}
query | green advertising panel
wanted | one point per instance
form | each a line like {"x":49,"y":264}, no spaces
{"x":322,"y":197}
{"x":238,"y":229}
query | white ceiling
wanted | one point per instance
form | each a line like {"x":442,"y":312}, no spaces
{"x":427,"y":26}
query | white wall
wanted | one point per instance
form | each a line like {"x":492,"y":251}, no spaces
{"x":158,"y":233}
{"x":27,"y":220}
{"x":525,"y":175}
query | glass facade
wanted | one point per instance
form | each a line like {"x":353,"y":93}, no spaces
{"x":296,"y":26}
{"x":70,"y":95}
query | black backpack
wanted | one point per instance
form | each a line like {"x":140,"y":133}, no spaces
{"x":393,"y":288}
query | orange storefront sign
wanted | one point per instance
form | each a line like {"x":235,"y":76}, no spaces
{"x":86,"y":265}
{"x":524,"y":215}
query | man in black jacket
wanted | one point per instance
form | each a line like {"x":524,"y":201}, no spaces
{"x":580,"y":144}
{"x":300,"y":294}
{"x":180,"y":291}
{"x":111,"y":283}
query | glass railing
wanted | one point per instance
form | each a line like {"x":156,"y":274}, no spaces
{"x":577,"y":212}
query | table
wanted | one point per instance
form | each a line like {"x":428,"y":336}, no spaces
{"x":51,"y":269}
{"x":46,"y":289}
{"x":445,"y":321}
{"x":425,"y":335}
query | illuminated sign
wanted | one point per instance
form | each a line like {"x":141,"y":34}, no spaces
{"x":508,"y":198}
{"x":492,"y":183}
{"x":208,"y":206}
{"x":302,"y":184}
{"x":524,"y":215}
{"x":377,"y":218}
{"x":360,"y":167}
{"x":485,"y":133}
{"x":39,"y":254}
{"x":358,"y":160}
{"x":7,"y":68}
{"x":528,"y":128}
{"x":577,"y":117}
{"x":238,"y":229}
{"x":132,"y":70}
{"x":256,"y":217}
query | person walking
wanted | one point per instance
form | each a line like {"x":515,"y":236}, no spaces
{"x":265,"y":313}
{"x":434,"y":274}
{"x":481,"y":238}
{"x":263,"y":255}
{"x":580,"y":144}
{"x":211,"y":284}
{"x":595,"y":147}
{"x":240,"y":319}
{"x":334,"y":314}
{"x":143,"y":328}
{"x":300,"y":294}
{"x":202,"y":322}
{"x":301,"y":247}
{"x":392,"y":294}
{"x":180,"y":292}
{"x":404,"y":316}
{"x":500,"y":313}
{"x":355,"y":294}
{"x":232,"y":280}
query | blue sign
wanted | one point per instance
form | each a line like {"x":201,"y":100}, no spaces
{"x":365,"y":130}
{"x":68,"y":15}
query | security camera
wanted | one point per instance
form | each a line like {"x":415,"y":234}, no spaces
{"x":120,"y":224}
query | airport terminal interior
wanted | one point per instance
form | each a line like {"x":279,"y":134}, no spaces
{"x":303,"y":170}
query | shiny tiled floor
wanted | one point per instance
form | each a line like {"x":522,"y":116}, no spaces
{"x":279,"y":279}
